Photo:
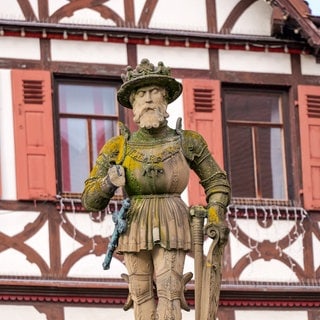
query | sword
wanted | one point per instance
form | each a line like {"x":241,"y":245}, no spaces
{"x":198,"y":213}
{"x":211,"y":277}
{"x":207,"y":270}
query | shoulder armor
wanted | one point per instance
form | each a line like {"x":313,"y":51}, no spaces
{"x":114,"y":150}
{"x":193,"y":144}
{"x":124,"y":130}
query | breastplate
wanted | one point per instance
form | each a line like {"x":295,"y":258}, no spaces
{"x":155,"y":168}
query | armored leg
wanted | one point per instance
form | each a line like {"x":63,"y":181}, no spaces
{"x":140,"y":269}
{"x":168,"y":266}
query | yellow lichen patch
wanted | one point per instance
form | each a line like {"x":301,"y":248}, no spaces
{"x":115,"y":149}
{"x":131,"y":164}
{"x":213,"y":215}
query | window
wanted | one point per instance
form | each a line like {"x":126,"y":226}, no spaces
{"x":256,"y":157}
{"x":88,"y":115}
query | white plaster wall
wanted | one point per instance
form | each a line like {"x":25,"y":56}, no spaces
{"x":180,"y":15}
{"x":19,"y":48}
{"x":274,"y":233}
{"x":175,"y":110}
{"x":13,"y":262}
{"x":256,"y":20}
{"x":68,"y":244}
{"x":268,"y":314}
{"x":90,"y":265}
{"x":168,"y":14}
{"x":309,"y":66}
{"x":84,"y":224}
{"x":175,"y":57}
{"x":90,"y":52}
{"x":108,"y":313}
{"x":238,"y":250}
{"x":7,"y":153}
{"x":247,"y":61}
{"x":295,"y":251}
{"x":40,"y":243}
{"x":88,"y":16}
{"x":35,"y":7}
{"x":71,"y":313}
{"x":223,"y":9}
{"x":316,"y":250}
{"x":10,"y":10}
{"x":268,"y":271}
{"x":261,"y":270}
{"x":19,"y":312}
{"x":54,"y":5}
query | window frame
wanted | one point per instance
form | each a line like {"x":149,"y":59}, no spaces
{"x":283,"y":94}
{"x":76,"y":80}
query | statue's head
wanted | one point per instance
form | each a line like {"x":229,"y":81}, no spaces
{"x":146,"y":74}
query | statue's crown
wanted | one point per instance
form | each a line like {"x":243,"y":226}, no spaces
{"x":146,"y":74}
{"x":145,"y":68}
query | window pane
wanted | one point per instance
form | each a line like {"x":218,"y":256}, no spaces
{"x":102,"y":130}
{"x":241,"y":162}
{"x":272,"y":164}
{"x":74,"y":154}
{"x":256,"y":156}
{"x":252,"y":107}
{"x":81,"y":99}
{"x":88,"y":115}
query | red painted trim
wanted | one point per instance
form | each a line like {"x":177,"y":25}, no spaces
{"x":239,"y":303}
{"x":61,"y":299}
{"x":269,"y":303}
{"x":167,"y":42}
{"x":115,"y":291}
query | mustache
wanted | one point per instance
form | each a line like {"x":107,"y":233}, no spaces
{"x":147,"y":108}
{"x":144,"y":110}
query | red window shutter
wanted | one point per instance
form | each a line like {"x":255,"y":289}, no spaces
{"x":33,"y":128}
{"x":202,"y":113}
{"x":309,"y":114}
{"x":0,"y":183}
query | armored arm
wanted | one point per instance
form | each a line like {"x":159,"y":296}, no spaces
{"x":106,"y":176}
{"x":212,"y":177}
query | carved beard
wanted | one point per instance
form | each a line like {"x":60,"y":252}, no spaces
{"x":151,"y":116}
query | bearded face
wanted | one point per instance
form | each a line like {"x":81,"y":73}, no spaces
{"x":149,"y":107}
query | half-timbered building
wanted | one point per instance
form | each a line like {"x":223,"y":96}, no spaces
{"x":251,"y":76}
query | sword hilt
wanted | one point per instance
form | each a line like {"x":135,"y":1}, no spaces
{"x":198,"y":214}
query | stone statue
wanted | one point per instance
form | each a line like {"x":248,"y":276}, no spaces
{"x":152,"y":164}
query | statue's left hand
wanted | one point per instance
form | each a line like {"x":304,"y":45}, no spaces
{"x":210,"y":230}
{"x":213,"y":230}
